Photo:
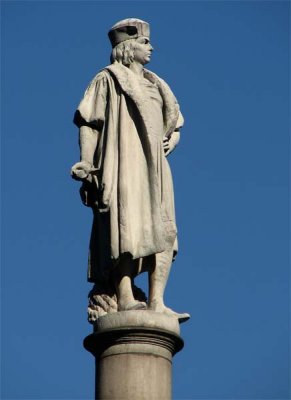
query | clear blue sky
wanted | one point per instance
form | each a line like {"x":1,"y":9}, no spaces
{"x":227,"y":63}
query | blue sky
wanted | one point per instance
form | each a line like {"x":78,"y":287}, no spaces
{"x":227,"y":63}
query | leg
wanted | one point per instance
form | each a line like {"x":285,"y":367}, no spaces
{"x":123,"y":276}
{"x":158,"y":278}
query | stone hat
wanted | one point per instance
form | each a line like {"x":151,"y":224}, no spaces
{"x":130,"y":28}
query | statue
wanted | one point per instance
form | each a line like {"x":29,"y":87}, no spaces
{"x":129,"y":122}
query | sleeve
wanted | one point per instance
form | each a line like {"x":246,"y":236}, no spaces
{"x":92,"y":108}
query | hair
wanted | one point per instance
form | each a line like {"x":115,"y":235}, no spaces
{"x":124,"y":52}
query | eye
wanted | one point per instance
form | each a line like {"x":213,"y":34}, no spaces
{"x":146,"y":41}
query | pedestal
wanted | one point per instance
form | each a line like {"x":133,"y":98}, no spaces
{"x":133,"y":352}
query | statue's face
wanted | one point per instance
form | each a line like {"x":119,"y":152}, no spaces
{"x":143,"y":50}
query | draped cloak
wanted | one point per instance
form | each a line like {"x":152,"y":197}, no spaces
{"x":132,"y":191}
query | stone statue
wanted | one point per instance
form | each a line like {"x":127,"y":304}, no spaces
{"x":129,"y":122}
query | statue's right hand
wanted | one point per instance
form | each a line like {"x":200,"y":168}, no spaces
{"x":81,"y":170}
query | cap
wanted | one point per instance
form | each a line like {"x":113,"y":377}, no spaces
{"x":130,"y":28}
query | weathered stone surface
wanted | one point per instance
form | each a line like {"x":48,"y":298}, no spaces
{"x":134,"y":351}
{"x":129,"y":123}
{"x":142,"y":319}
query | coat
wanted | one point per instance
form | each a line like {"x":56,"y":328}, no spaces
{"x":132,"y":192}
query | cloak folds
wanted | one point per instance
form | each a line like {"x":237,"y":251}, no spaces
{"x":132,"y":193}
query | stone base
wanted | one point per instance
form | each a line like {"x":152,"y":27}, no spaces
{"x":133,"y":351}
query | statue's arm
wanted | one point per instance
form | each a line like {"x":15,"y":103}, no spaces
{"x":90,"y":117}
{"x":88,"y":138}
{"x":171,"y":141}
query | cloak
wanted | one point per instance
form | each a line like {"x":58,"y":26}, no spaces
{"x":132,"y":192}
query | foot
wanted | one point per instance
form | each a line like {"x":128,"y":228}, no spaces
{"x":182,"y":317}
{"x":161,"y":308}
{"x":132,"y":305}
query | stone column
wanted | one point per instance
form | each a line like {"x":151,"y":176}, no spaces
{"x":133,"y":352}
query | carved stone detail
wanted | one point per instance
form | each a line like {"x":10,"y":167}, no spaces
{"x":103,"y":300}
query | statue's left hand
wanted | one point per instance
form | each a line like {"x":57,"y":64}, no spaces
{"x":170,"y":142}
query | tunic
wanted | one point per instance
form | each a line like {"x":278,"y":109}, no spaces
{"x":132,"y":192}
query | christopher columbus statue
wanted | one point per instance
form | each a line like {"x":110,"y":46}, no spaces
{"x":129,"y":122}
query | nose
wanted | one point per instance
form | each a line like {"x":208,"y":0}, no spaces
{"x":151,"y":47}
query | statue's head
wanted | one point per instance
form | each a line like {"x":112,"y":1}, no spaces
{"x":130,"y":39}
